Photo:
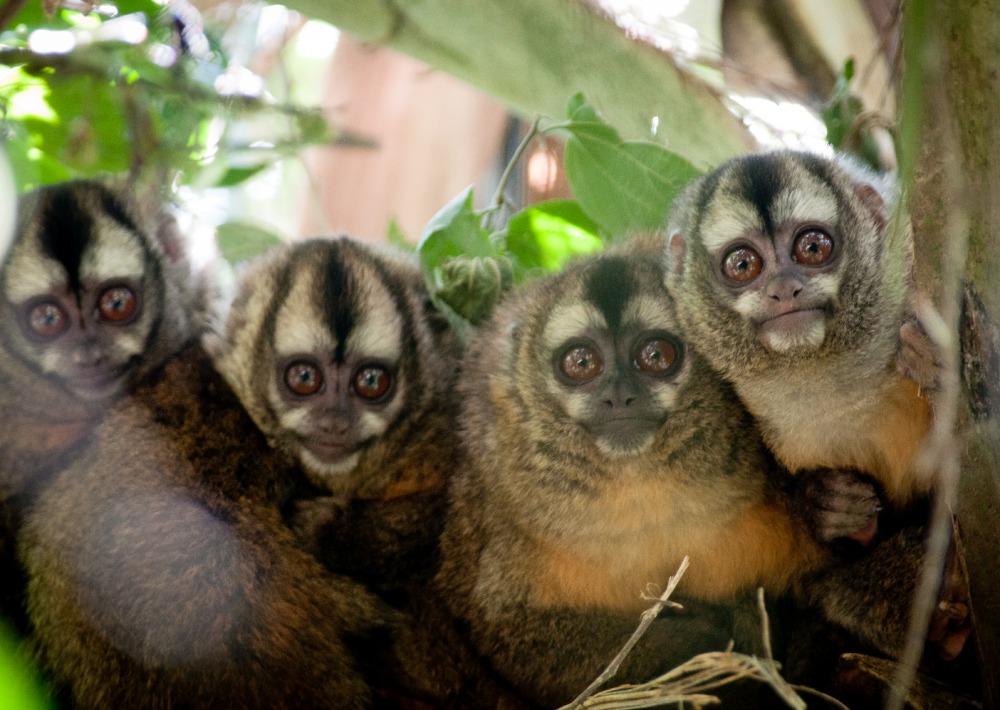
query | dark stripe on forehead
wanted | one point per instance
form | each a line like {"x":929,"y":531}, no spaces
{"x":759,"y":181}
{"x":115,"y":208}
{"x":339,"y":295}
{"x":64,"y":229}
{"x":609,"y":287}
{"x":819,"y":167}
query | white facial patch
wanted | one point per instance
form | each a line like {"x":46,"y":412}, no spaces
{"x":650,"y":313}
{"x":30,"y":273}
{"x":300,"y":324}
{"x":726,"y":220}
{"x":569,"y":320}
{"x":113,"y":253}
{"x":129,"y":343}
{"x":323,"y":470}
{"x":378,"y":331}
{"x":796,"y":205}
{"x":291,"y":418}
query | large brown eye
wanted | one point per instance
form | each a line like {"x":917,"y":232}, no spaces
{"x":303,"y":378}
{"x":813,"y":247}
{"x":117,"y":304}
{"x":656,"y":356}
{"x":371,"y":381}
{"x":742,"y":265}
{"x":47,"y":319}
{"x":582,"y":363}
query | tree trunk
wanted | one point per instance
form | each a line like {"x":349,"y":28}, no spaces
{"x":952,"y":114}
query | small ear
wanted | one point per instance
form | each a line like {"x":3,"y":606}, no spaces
{"x":675,"y":253}
{"x":873,"y":201}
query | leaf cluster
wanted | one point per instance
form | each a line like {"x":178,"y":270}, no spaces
{"x":620,"y":188}
{"x":83,"y":94}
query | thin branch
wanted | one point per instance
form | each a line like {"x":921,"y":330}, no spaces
{"x":648,"y":617}
{"x":498,"y":198}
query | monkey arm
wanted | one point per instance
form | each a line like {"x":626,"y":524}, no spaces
{"x":382,"y":543}
{"x":870,"y":596}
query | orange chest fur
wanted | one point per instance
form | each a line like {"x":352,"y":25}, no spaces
{"x":885,"y":443}
{"x":633,"y":538}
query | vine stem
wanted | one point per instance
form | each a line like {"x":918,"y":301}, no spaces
{"x":497,"y":201}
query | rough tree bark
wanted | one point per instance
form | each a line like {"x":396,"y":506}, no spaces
{"x":952,"y":112}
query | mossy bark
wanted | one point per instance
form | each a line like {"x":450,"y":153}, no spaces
{"x":951,"y":149}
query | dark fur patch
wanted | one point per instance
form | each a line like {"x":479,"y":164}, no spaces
{"x":609,"y":287}
{"x":64,"y":230}
{"x":339,"y":298}
{"x":760,"y":181}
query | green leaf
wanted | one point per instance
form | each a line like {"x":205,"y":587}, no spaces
{"x":30,"y":166}
{"x":581,"y":111}
{"x":454,"y":231}
{"x":845,"y":119}
{"x":548,"y":234}
{"x":625,"y":187}
{"x":239,"y":241}
{"x":19,"y":684}
{"x":237,"y":176}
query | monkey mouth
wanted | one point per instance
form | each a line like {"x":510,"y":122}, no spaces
{"x":95,"y":382}
{"x":331,"y":449}
{"x":625,"y":434}
{"x":805,"y":328}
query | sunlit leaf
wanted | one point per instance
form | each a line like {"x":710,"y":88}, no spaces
{"x":239,"y":241}
{"x":20,"y":688}
{"x":549,"y":234}
{"x":624,"y":187}
{"x":237,"y":176}
{"x":454,"y":231}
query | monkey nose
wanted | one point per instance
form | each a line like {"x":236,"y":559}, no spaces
{"x":87,"y":355}
{"x":783,"y":287}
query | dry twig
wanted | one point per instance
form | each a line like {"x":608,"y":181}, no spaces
{"x":690,"y":683}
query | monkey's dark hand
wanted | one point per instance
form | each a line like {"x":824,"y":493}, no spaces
{"x":919,"y":357}
{"x":840,"y":503}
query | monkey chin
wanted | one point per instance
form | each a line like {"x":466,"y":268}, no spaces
{"x":324,"y":473}
{"x":796,"y":331}
{"x":624,"y":442}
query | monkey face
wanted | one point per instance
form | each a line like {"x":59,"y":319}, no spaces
{"x":608,"y":355}
{"x":785,"y":282}
{"x":327,"y":351}
{"x":778,"y":254}
{"x":82,"y":295}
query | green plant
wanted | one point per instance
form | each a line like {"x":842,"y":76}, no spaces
{"x":620,"y":188}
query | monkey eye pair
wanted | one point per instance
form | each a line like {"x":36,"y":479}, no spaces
{"x":581,"y":362}
{"x":116,"y":305}
{"x":812,"y":247}
{"x":370,"y":382}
